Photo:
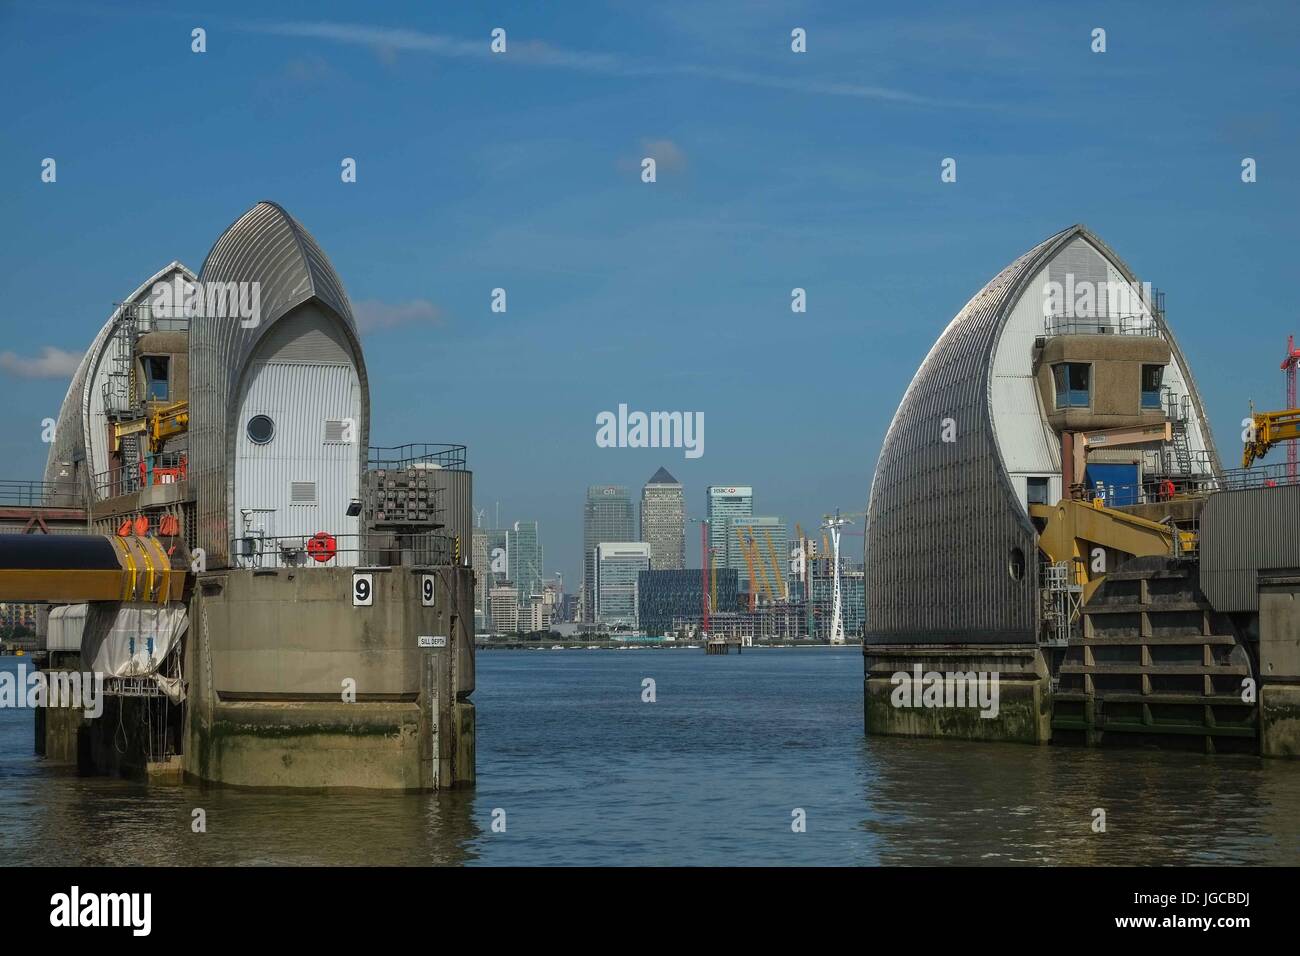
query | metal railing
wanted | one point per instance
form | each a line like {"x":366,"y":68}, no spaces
{"x":323,"y":550}
{"x":1260,"y":476}
{"x":168,"y":468}
{"x":40,"y":494}
{"x":1101,"y":325}
{"x":418,"y":454}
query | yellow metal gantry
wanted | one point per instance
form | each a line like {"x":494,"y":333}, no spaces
{"x":157,"y":425}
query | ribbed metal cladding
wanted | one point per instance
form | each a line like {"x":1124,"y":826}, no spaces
{"x":73,"y":435}
{"x":1243,"y":533}
{"x":268,"y":246}
{"x":943,"y":520}
{"x":455,"y":498}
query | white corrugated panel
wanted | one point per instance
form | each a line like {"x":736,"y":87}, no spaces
{"x":272,"y":479}
{"x":1027,"y":442}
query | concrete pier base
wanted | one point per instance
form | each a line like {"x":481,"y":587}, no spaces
{"x":291,"y":685}
{"x":1279,"y":659}
{"x":1023,"y":693}
{"x":1279,"y":720}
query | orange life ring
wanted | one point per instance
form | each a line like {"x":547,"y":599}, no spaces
{"x":141,"y":526}
{"x":321,"y":546}
{"x":169,"y":526}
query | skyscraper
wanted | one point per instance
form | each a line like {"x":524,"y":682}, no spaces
{"x":663,"y":521}
{"x":524,"y":547}
{"x":618,"y":566}
{"x":726,"y":502}
{"x":607,"y":515}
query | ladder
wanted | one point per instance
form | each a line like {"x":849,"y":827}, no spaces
{"x":1176,"y":409}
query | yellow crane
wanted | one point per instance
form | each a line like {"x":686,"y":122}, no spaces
{"x":1268,"y":429}
{"x":749,"y":562}
{"x":157,"y":425}
{"x":776,"y":565}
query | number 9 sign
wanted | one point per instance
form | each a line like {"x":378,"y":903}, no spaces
{"x":428,"y":589}
{"x":363,"y":590}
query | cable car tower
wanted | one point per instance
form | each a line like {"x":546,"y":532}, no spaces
{"x":832,"y":524}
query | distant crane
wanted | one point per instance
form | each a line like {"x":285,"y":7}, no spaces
{"x":1289,"y":366}
{"x":705,"y":551}
{"x":832,"y":525}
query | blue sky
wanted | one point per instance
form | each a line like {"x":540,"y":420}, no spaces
{"x":776,"y":170}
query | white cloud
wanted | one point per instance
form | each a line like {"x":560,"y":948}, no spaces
{"x":52,"y":363}
{"x":373,"y":315}
{"x":537,"y":53}
{"x":666,"y":153}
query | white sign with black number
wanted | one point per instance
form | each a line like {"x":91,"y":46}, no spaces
{"x":363,"y":590}
{"x":427,"y":641}
{"x":428,"y":589}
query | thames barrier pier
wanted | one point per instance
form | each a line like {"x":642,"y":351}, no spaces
{"x":268,"y":600}
{"x":1049,"y":506}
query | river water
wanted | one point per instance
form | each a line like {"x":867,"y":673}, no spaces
{"x":582,"y":771}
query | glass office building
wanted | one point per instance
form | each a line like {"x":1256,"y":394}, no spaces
{"x":667,"y":596}
{"x":618,"y":565}
{"x":607,"y":515}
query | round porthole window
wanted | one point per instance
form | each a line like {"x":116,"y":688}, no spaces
{"x":1017,"y":564}
{"x":260,"y":429}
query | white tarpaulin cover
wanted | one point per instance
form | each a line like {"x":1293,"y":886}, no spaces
{"x":132,"y":640}
{"x":67,"y":624}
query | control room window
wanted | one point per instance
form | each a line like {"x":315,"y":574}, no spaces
{"x":1152,"y":376}
{"x":1072,"y":384}
{"x":1036,"y":491}
{"x":155,"y":378}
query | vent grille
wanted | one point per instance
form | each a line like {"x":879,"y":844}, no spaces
{"x":335,"y":428}
{"x":302,"y":492}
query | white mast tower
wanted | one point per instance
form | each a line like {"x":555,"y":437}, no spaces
{"x":832,"y":524}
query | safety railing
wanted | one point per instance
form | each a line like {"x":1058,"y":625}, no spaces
{"x":168,"y":468}
{"x":418,"y":454}
{"x":366,"y":549}
{"x":1275,"y":475}
{"x":39,"y":494}
{"x":1101,"y":325}
{"x":1153,"y":490}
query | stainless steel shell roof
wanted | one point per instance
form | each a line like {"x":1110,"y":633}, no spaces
{"x":75,"y":431}
{"x":268,"y":246}
{"x":944,"y":524}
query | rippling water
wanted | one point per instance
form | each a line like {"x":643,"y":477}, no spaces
{"x":709,"y":774}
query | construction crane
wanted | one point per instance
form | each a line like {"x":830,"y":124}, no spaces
{"x":776,"y":567}
{"x":749,"y":562}
{"x":1269,"y":428}
{"x":1289,"y":365}
{"x":1266,"y":430}
{"x":705,"y":602}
